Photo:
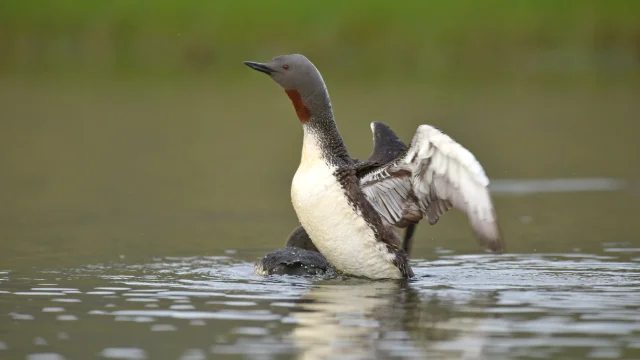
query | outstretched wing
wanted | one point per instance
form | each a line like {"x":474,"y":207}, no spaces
{"x":387,"y":146}
{"x":433,"y":175}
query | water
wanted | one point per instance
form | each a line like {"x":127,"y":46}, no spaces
{"x":459,"y":306}
{"x":131,"y":215}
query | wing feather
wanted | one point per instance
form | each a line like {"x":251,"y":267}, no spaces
{"x":435,"y":174}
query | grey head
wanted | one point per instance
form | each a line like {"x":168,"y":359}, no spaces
{"x":292,"y":72}
{"x":301,"y":80}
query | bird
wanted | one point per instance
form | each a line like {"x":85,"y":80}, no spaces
{"x":300,"y":256}
{"x":351,"y":210}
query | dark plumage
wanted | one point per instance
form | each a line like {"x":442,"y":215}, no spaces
{"x":293,"y":261}
{"x":350,"y":208}
{"x":386,"y":147}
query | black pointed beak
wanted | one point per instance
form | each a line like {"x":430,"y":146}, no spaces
{"x":259,"y":67}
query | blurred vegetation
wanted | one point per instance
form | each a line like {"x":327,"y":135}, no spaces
{"x":403,"y":38}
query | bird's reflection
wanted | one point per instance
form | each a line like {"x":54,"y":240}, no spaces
{"x":365,"y":319}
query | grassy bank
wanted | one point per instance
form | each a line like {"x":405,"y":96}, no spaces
{"x":354,"y":38}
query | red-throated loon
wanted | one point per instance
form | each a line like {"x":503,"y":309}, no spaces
{"x":301,"y":257}
{"x":349,"y":209}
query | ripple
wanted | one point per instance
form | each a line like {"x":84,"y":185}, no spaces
{"x":473,"y":306}
{"x":143,"y":319}
{"x":221,"y":315}
{"x":254,"y":331}
{"x":52,"y":309}
{"x":233,"y":303}
{"x":163,"y":327}
{"x":283,"y":304}
{"x":255,"y":349}
{"x":113,"y":288}
{"x":193,"y":354}
{"x":67,"y":300}
{"x":53,"y":289}
{"x":621,"y":250}
{"x":17,"y":316}
{"x":124,"y":353}
{"x":147,"y":300}
{"x":524,"y":187}
{"x":39,"y":293}
{"x":192,"y":293}
{"x":45,"y":356}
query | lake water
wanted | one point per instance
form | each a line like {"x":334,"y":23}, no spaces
{"x":522,"y":306}
{"x":131,"y":216}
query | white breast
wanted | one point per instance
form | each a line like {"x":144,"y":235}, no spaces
{"x":335,"y":227}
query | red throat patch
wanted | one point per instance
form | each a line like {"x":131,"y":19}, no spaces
{"x":301,"y":109}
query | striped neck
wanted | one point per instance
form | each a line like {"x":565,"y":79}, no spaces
{"x":321,"y":136}
{"x":321,"y":127}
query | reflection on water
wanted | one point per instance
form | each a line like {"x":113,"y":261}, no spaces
{"x":350,"y":318}
{"x":462,"y":306}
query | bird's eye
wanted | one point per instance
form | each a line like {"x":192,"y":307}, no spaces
{"x":285,"y":66}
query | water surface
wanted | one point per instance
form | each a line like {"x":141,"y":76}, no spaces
{"x":131,"y":215}
{"x":462,"y":306}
